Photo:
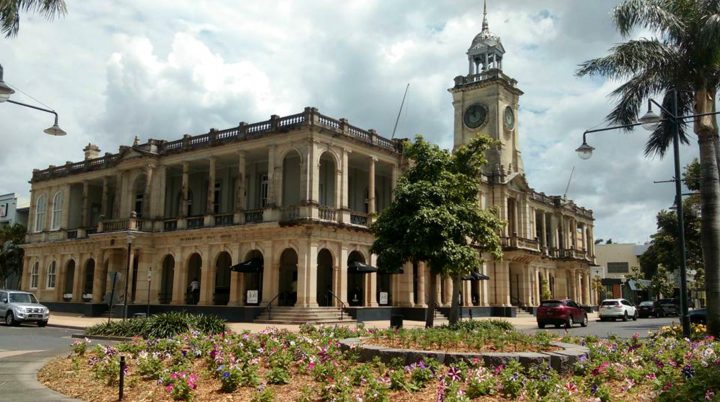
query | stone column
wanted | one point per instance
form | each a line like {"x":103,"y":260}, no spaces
{"x":85,"y":215}
{"x":502,"y":283}
{"x":240,"y":203}
{"x":210,"y":203}
{"x":179,"y":279}
{"x":371,"y":299}
{"x":207,"y":281}
{"x":99,"y":275}
{"x":344,"y":189}
{"x":105,"y":196}
{"x":404,"y":297}
{"x":147,"y":192}
{"x":270,"y":268}
{"x":78,"y":279}
{"x":271,"y":202}
{"x":236,"y":290}
{"x":184,"y":190}
{"x":422,"y":284}
{"x":448,"y":290}
{"x":586,"y":290}
{"x":313,"y":176}
{"x":307,"y":276}
{"x":157,"y":195}
{"x":25,"y":278}
{"x":117,"y":203}
{"x":343,"y":276}
{"x":371,"y":186}
{"x":438,"y":290}
{"x":393,"y":181}
{"x":467,"y":293}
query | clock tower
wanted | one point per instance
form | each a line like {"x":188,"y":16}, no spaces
{"x":486,"y":102}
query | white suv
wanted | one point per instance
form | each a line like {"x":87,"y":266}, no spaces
{"x":611,"y":309}
{"x":17,"y":306}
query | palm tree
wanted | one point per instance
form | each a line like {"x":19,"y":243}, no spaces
{"x":684,"y":58}
{"x":10,"y":12}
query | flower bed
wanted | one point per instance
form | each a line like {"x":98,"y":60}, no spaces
{"x":311,"y":366}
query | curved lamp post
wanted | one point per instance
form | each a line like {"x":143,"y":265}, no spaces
{"x":6,"y":91}
{"x":651,"y":121}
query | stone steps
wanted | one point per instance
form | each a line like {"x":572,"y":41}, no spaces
{"x":301,"y":315}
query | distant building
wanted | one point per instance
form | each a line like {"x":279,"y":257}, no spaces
{"x":615,"y":263}
{"x":10,"y":213}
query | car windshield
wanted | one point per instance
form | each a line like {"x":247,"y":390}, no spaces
{"x":646,"y":303}
{"x":22,"y":298}
{"x":551,"y":303}
{"x":609,"y":302}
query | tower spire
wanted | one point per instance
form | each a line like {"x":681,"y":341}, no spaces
{"x":485,"y":27}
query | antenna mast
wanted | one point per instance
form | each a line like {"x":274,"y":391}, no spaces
{"x":400,"y":111}
{"x":569,"y":180}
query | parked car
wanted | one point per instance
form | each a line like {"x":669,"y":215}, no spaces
{"x":17,"y":307}
{"x":612,"y":309}
{"x":649,"y":308}
{"x":560,"y":312}
{"x":698,"y":316}
{"x":669,"y":307}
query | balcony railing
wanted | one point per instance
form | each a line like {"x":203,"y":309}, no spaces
{"x":290,"y":213}
{"x":169,"y":225}
{"x":224,"y":220}
{"x":115,"y":225}
{"x":195,"y":222}
{"x":358,"y":218}
{"x":72,"y":234}
{"x":254,"y":216}
{"x":327,"y":214}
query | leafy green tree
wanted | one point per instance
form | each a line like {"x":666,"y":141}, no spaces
{"x":11,"y":255}
{"x":435,"y":216}
{"x":683,"y":59}
{"x":10,"y":12}
{"x":545,"y":288}
{"x":660,"y":284}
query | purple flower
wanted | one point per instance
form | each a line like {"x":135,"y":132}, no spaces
{"x":594,"y":389}
{"x":688,"y":371}
{"x":226,"y":374}
{"x":454,"y":374}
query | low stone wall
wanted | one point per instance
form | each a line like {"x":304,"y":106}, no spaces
{"x":562,"y":360}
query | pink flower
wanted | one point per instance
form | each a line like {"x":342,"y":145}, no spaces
{"x":169,"y":388}
{"x":651,"y":376}
{"x":498,"y":369}
{"x":709,"y":395}
{"x":571,"y":387}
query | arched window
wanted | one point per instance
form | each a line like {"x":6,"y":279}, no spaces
{"x":35,"y":275}
{"x":40,"y":213}
{"x":57,"y":211}
{"x":51,"y":276}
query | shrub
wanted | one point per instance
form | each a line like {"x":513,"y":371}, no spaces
{"x":165,"y":325}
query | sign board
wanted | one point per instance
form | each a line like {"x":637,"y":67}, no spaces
{"x":252,"y":297}
{"x":383,"y":298}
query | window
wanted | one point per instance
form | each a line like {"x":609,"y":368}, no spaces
{"x":617,"y":267}
{"x":40,"y":213}
{"x":139,"y":204}
{"x":35,"y":275}
{"x":51,"y":276}
{"x":217,"y":198}
{"x":263,"y":190}
{"x":57,"y":211}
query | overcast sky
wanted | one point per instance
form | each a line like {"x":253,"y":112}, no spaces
{"x":160,"y":69}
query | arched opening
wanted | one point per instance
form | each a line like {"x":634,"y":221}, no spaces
{"x":325,"y":278}
{"x":287,"y":285}
{"x":384,"y":293}
{"x":475,"y":293}
{"x":194,"y":265}
{"x":356,"y":281}
{"x":166,"y":281}
{"x":222,"y":279}
{"x":87,"y":288}
{"x":291,"y":179}
{"x":69,"y":280}
{"x":139,"y":196}
{"x":253,"y":280}
{"x":327,"y":180}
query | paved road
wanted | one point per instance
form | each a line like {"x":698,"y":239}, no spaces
{"x":23,"y":351}
{"x":605,"y":329}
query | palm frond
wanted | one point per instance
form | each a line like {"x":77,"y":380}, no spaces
{"x":655,"y":15}
{"x":628,"y":58}
{"x":10,"y":12}
{"x":631,"y":96}
{"x":661,"y":139}
{"x":710,"y":30}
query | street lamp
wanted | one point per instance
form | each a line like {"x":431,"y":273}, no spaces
{"x":651,"y":121}
{"x":127,"y":275}
{"x":6,"y":91}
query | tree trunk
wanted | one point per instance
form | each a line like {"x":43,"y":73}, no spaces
{"x":455,"y":304}
{"x":706,"y":130}
{"x":430,"y":312}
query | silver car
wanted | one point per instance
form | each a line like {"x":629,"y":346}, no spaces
{"x":17,"y":307}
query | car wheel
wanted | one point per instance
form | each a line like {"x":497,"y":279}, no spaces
{"x":541,"y":325}
{"x":42,"y":323}
{"x":635,"y":316}
{"x":569,"y":322}
{"x":602,"y":319}
{"x":584,"y":321}
{"x":625,"y":316}
{"x":10,"y":319}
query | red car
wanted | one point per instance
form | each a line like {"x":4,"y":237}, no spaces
{"x":560,"y":312}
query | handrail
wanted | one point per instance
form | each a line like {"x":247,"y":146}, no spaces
{"x":269,"y":306}
{"x":342,"y":304}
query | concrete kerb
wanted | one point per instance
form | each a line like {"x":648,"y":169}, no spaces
{"x":562,"y":360}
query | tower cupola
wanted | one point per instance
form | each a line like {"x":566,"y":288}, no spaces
{"x":486,"y":51}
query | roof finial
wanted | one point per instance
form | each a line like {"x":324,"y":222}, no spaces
{"x":485,"y":27}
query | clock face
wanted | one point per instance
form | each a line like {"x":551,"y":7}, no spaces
{"x":509,"y":118}
{"x":475,"y":115}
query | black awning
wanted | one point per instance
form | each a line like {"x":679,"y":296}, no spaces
{"x":358,"y":267}
{"x":250,"y":266}
{"x":475,"y":276}
{"x":397,"y":271}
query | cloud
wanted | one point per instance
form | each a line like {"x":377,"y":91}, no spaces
{"x":165,"y":68}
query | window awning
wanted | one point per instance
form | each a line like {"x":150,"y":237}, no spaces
{"x":358,"y":267}
{"x":475,"y":276}
{"x":250,"y":266}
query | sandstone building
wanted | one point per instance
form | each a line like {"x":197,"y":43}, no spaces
{"x":286,"y":203}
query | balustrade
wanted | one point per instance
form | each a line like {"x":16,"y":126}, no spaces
{"x":195,"y":222}
{"x":358,"y":218}
{"x":170,"y":225}
{"x":254,"y":216}
{"x":290,"y":213}
{"x":224,"y":220}
{"x":327,"y":214}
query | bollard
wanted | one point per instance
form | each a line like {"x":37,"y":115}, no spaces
{"x":122,"y":377}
